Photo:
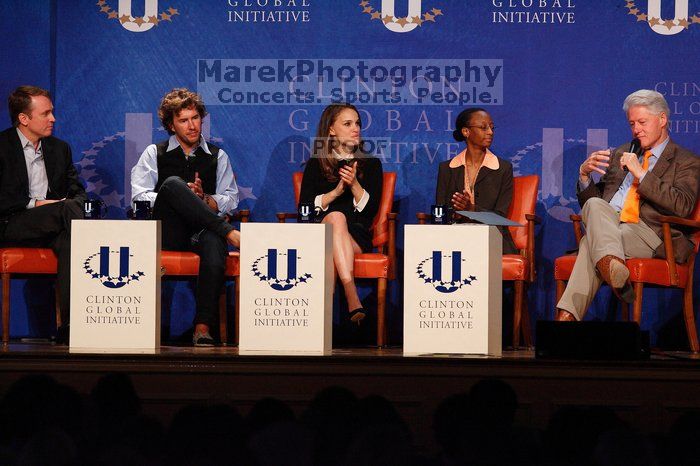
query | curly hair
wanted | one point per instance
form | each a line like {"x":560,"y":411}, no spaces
{"x":177,"y":100}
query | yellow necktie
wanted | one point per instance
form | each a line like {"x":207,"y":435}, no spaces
{"x":630,"y":209}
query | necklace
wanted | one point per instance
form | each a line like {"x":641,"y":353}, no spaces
{"x":469,"y":169}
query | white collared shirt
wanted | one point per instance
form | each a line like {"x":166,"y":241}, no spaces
{"x":36,"y":170}
{"x":144,"y":176}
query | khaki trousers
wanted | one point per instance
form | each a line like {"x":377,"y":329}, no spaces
{"x":605,"y":235}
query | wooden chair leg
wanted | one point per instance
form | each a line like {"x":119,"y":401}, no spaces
{"x":624,"y":311}
{"x":381,"y":311}
{"x":57,"y":305}
{"x":525,"y":321}
{"x":637,"y":309}
{"x":223,"y":318}
{"x":517,"y":311}
{"x":237,"y":309}
{"x":5,"y":308}
{"x":689,"y":313}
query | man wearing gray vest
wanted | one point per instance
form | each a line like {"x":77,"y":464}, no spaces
{"x":191,"y":187}
{"x":621,"y":211}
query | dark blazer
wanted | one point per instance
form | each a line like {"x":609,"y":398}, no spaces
{"x":493,"y":191}
{"x":14,"y":181}
{"x":670,"y":188}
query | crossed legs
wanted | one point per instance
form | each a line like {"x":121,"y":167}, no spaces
{"x":344,"y":250}
{"x":605,"y":236}
{"x":189,"y":224}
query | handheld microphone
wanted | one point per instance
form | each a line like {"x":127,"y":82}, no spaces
{"x":636,"y":149}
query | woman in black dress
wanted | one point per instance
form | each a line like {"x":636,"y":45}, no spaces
{"x":476,"y":179}
{"x":345,"y":185}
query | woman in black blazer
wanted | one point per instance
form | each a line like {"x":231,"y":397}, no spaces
{"x":476,"y":179}
{"x":345,"y":186}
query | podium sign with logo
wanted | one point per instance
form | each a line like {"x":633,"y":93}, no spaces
{"x":452,"y":289}
{"x":286,"y":288}
{"x":115,"y":285}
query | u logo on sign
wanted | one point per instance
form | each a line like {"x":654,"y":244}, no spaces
{"x":430,"y":270}
{"x":267,"y":267}
{"x":284,"y":284}
{"x":449,"y":287}
{"x":98,"y":266}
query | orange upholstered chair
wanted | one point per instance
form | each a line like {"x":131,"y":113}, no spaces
{"x":186,"y":264}
{"x":375,"y":265}
{"x":23,"y":262}
{"x":519,"y":268}
{"x":42,"y":261}
{"x":665,"y":273}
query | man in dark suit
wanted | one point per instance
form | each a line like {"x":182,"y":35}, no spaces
{"x":621,"y":211}
{"x":39,"y":188}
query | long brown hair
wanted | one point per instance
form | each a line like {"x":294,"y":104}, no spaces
{"x":324,"y":143}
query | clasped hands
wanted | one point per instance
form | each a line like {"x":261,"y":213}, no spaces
{"x":348,"y":178}
{"x":599,"y":160}
{"x":463,"y":200}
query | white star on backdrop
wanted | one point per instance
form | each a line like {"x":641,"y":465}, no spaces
{"x":246,"y":193}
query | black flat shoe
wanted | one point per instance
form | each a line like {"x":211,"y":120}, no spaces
{"x":358,"y":315}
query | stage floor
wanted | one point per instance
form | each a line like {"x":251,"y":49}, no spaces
{"x":649,"y":394}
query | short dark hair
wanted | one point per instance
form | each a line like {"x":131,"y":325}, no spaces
{"x":20,"y":100}
{"x":463,"y":120}
{"x":177,"y":100}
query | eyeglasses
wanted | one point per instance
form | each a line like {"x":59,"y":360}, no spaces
{"x":484,"y":127}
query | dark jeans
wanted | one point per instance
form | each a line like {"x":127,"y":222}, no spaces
{"x":48,"y":226}
{"x":188,"y":224}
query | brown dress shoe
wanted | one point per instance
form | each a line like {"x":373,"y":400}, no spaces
{"x":614,"y":272}
{"x":565,"y":316}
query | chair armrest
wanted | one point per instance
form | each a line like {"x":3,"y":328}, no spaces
{"x":530,"y":251}
{"x":242,"y":216}
{"x":666,"y":221}
{"x":686,"y":222}
{"x":283,"y":216}
{"x":392,"y":244}
{"x":422,"y":218}
{"x":578,"y":231}
{"x":533,"y":218}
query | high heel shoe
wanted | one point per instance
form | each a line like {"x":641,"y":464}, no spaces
{"x":358,"y":315}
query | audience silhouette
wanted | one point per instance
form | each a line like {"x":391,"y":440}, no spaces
{"x":44,"y":422}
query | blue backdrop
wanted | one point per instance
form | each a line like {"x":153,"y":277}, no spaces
{"x":553,"y":74}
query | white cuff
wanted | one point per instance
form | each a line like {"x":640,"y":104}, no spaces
{"x":362,"y":202}
{"x":318,"y":202}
